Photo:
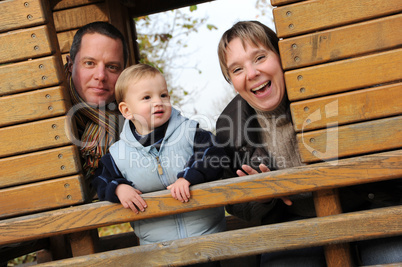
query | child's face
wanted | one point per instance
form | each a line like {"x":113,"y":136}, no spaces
{"x":147,"y":103}
{"x":256,"y":74}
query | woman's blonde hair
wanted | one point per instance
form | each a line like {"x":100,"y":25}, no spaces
{"x":131,"y":75}
{"x":248,"y":31}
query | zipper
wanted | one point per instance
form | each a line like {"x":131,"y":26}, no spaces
{"x":160,"y":170}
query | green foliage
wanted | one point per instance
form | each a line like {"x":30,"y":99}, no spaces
{"x":162,"y":37}
{"x":115,"y":229}
{"x":22,"y":260}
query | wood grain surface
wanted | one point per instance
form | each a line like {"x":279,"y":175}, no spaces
{"x":243,"y":189}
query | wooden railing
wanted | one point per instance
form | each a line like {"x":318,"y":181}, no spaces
{"x":325,"y":230}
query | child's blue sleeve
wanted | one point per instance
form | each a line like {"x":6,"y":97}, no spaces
{"x":205,"y":164}
{"x":107,"y":178}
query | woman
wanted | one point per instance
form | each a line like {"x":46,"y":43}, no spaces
{"x":257,"y":133}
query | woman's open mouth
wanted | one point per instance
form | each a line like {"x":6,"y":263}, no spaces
{"x":262,"y":88}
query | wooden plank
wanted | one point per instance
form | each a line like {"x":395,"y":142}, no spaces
{"x":251,"y":241}
{"x":25,"y":44}
{"x":327,"y":203}
{"x":283,"y":2}
{"x":330,"y":45}
{"x":120,"y":17}
{"x":117,"y":241}
{"x":313,"y":177}
{"x":344,"y":75}
{"x":310,"y":16}
{"x":351,"y":140}
{"x":66,"y":40}
{"x":39,"y":166}
{"x":77,"y":17}
{"x":64,"y":57}
{"x":83,"y":243}
{"x":35,"y":136}
{"x":345,"y":108}
{"x":21,"y":14}
{"x":64,"y":4}
{"x":41,"y":196}
{"x":143,"y":8}
{"x":35,"y":105}
{"x":31,"y":74}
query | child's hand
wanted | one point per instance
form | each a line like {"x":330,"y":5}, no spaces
{"x":180,"y":190}
{"x":130,"y":198}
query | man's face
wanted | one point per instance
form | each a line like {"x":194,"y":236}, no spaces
{"x":96,"y":68}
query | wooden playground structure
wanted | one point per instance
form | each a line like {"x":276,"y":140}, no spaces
{"x":342,"y":71}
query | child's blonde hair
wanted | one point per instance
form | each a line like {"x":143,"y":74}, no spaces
{"x":132,"y":75}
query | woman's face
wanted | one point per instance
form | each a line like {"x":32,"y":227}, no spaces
{"x":256,"y":74}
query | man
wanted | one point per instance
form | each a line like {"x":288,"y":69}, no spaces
{"x":98,"y":55}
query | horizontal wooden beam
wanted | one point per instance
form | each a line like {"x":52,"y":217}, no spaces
{"x":310,"y":16}
{"x":77,"y":17}
{"x":283,"y":2}
{"x":142,"y":8}
{"x":26,"y":44}
{"x":21,"y":14}
{"x":46,"y":195}
{"x":39,"y":166}
{"x":344,"y":75}
{"x":31,"y":74}
{"x":35,"y":105}
{"x":313,"y":177}
{"x":58,"y":5}
{"x":251,"y":241}
{"x":346,"y":108}
{"x":38,"y":135}
{"x":324,"y":46}
{"x":351,"y":140}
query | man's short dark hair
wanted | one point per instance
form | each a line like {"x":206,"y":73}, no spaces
{"x":103,"y":28}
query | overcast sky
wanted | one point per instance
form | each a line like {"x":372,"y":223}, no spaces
{"x":212,"y":89}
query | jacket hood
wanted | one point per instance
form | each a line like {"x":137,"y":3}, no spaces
{"x":175,"y":121}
